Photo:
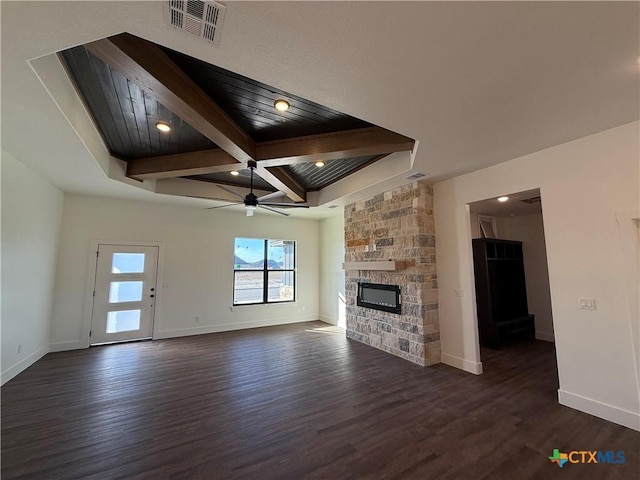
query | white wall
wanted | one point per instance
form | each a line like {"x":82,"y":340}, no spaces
{"x":332,"y":306}
{"x":31,"y":217}
{"x":530,"y":231}
{"x":196,"y":262}
{"x":583,"y":184}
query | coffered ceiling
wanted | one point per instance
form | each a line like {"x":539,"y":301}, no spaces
{"x":216,"y":121}
{"x":473,"y":83}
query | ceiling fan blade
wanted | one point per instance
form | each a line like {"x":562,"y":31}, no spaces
{"x":217,"y":199}
{"x":229,"y":191}
{"x":269,"y":196}
{"x":206,"y":198}
{"x":286,"y":205}
{"x":227,"y":205}
{"x":274,"y":210}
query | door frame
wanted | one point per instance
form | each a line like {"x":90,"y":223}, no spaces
{"x":471,"y":283}
{"x":629,"y":242}
{"x":92,"y":265}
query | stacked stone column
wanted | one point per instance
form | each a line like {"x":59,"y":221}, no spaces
{"x":395,"y":225}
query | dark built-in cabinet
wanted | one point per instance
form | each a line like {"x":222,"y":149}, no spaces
{"x":501,"y":294}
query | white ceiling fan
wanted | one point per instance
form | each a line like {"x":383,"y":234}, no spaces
{"x":251,"y":202}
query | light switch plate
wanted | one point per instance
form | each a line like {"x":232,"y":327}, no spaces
{"x":587,"y":303}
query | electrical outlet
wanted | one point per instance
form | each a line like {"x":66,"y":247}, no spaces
{"x":586,"y":303}
{"x":458,"y":293}
{"x":197,"y":318}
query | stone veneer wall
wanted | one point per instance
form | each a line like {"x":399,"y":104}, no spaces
{"x":395,"y":225}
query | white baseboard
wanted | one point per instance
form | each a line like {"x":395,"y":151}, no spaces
{"x":461,"y":363}
{"x":327,"y":319}
{"x":608,"y":412}
{"x":226,"y":327}
{"x":545,"y":336}
{"x":71,"y":345}
{"x":23,"y":364}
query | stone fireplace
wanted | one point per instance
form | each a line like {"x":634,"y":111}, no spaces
{"x":390,"y":240}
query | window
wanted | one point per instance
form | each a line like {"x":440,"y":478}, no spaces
{"x":263,"y":271}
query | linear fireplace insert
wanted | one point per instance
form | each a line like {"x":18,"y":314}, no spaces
{"x":380,"y":297}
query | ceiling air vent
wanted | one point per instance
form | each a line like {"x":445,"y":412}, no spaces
{"x":416,"y":176}
{"x":531,"y":200}
{"x":201,"y":18}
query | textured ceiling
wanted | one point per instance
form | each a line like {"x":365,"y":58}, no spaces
{"x":476,"y":83}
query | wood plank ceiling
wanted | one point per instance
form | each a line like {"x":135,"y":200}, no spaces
{"x":219,"y":120}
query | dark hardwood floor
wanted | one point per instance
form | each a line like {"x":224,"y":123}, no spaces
{"x":289,"y":402}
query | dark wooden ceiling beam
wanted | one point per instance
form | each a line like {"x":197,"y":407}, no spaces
{"x":348,"y":144}
{"x":183,"y":164}
{"x":283,"y":181}
{"x":330,"y":146}
{"x":145,"y":64}
{"x":210,"y":161}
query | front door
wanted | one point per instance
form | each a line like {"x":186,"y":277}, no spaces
{"x":124,"y":293}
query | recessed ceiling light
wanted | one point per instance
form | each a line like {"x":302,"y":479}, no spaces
{"x":503,"y":199}
{"x":320,"y":164}
{"x":235,"y":173}
{"x":281,"y":105}
{"x":163,"y":127}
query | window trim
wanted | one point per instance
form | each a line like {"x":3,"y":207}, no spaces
{"x":265,"y":273}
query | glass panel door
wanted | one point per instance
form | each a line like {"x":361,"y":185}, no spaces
{"x":124,"y":293}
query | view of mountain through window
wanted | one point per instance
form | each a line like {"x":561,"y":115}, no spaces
{"x":264,"y":271}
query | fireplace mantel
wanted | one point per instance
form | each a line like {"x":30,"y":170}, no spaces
{"x":389,"y":265}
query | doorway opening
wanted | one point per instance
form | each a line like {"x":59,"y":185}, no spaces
{"x":513,"y":300}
